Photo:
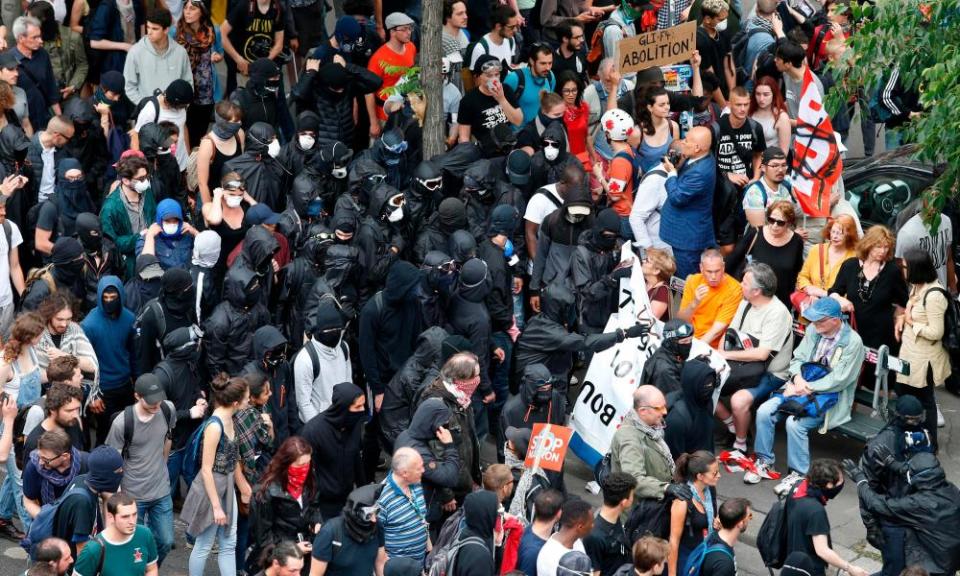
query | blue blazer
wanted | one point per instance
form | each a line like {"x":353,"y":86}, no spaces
{"x":686,"y":220}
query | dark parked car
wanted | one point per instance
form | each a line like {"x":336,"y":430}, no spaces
{"x":886,"y":188}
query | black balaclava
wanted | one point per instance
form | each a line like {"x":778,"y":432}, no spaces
{"x":698,"y":381}
{"x":478,"y":183}
{"x":319,"y":239}
{"x":339,"y":264}
{"x":178,"y":292}
{"x":402,"y":282}
{"x":606,"y":229}
{"x":441,"y":274}
{"x":338,"y":414}
{"x":66,"y":259}
{"x":462,"y":246}
{"x":452,"y":215}
{"x":503,"y":221}
{"x":328,"y":325}
{"x":262,"y":72}
{"x":536,"y":376}
{"x":674,"y":331}
{"x":365,"y":175}
{"x":333,"y":79}
{"x":88,"y":232}
{"x":259,"y":138}
{"x":334,"y":157}
{"x":427,"y":181}
{"x":359,"y":513}
{"x":394,"y":146}
{"x":112,"y":308}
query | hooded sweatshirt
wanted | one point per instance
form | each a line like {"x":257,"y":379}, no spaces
{"x":418,"y":371}
{"x":558,"y":238}
{"x":206,"y":252}
{"x":172,"y":250}
{"x":71,"y":199}
{"x":544,"y":171}
{"x":111,"y":338}
{"x":262,"y":174}
{"x":441,"y":462}
{"x":315,"y":382}
{"x":690,"y":421}
{"x":146,"y":70}
{"x":480,"y":519}
{"x":334,"y":436}
{"x":528,"y":407}
{"x":283,"y":400}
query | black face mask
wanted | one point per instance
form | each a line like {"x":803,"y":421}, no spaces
{"x":543,"y":397}
{"x":71,"y":269}
{"x":91,"y":244}
{"x":606,"y":242}
{"x":274,"y":358}
{"x":180,"y":302}
{"x":329,"y":337}
{"x":831,"y":493}
{"x":112,"y":308}
{"x":683,"y":350}
{"x":351,"y":419}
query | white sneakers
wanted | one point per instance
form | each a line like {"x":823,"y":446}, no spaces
{"x":787,"y":483}
{"x":761,"y":472}
{"x":940,"y":421}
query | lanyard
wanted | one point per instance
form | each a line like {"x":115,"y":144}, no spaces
{"x":420,"y":514}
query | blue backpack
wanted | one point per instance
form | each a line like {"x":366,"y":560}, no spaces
{"x":42,"y":526}
{"x":191,"y":458}
{"x":696,"y":557}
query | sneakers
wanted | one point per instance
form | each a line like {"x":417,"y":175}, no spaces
{"x":10,"y":532}
{"x":761,"y":471}
{"x":740,"y":445}
{"x":787,"y":483}
{"x":940,"y":421}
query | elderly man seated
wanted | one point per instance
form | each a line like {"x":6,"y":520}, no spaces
{"x":819,"y":393}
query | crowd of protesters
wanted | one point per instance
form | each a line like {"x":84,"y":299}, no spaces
{"x":234,"y":292}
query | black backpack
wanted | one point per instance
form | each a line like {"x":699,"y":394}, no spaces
{"x":128,"y":426}
{"x":19,"y":437}
{"x":153,"y":304}
{"x":143,"y":103}
{"x":772,"y":537}
{"x":951,"y":320}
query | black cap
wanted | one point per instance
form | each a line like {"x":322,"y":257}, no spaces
{"x":179,"y":93}
{"x":483,"y":60}
{"x":773,"y":153}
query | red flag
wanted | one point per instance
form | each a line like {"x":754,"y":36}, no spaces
{"x":816,"y":157}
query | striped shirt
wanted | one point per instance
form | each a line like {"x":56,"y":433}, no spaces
{"x":403,"y":520}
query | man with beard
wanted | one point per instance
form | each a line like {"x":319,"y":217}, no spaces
{"x":63,"y":274}
{"x":569,"y":55}
{"x":270,"y":361}
{"x":109,"y":327}
{"x":129,"y":209}
{"x":62,"y":409}
{"x":330,"y":91}
{"x":63,"y":337}
{"x":173,"y":308}
{"x":528,"y":82}
{"x":663,"y":368}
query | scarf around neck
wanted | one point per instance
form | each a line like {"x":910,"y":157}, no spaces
{"x":655,"y":434}
{"x":53,"y":478}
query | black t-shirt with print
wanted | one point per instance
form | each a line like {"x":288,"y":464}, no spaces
{"x":252,"y":31}
{"x":735,"y":147}
{"x":482,"y":113}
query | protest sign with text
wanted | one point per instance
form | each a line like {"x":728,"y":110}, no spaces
{"x":657,"y":48}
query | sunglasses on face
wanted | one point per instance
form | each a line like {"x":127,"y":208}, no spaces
{"x":776,"y":222}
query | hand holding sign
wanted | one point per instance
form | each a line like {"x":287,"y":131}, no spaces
{"x":548,"y":447}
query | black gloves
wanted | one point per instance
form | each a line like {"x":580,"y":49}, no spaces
{"x":637,"y":330}
{"x":853,"y":471}
{"x":621,"y":273}
{"x":884,"y":457}
{"x":678,"y":491}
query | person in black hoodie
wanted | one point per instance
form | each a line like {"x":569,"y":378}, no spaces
{"x":334,"y":435}
{"x":548,"y":163}
{"x":100,"y":258}
{"x":426,"y":192}
{"x":689,"y":425}
{"x":429,"y":434}
{"x":173,"y":308}
{"x":475,"y":558}
{"x":331,"y":162}
{"x":348,"y":544}
{"x":440,"y":275}
{"x":547,"y":338}
{"x":468,"y":317}
{"x":88,"y":145}
{"x":341,"y":276}
{"x":312,"y":198}
{"x":462,"y":247}
{"x":538,"y":401}
{"x":64,"y":274}
{"x":380,"y":237}
{"x":559,"y":236}
{"x":270,"y":361}
{"x":229,"y":330}
{"x":451,"y":215}
{"x":391,"y":151}
{"x":663,"y":368}
{"x":330,"y":91}
{"x":258,"y":102}
{"x":179,"y":376}
{"x":364,"y":176}
{"x":483,"y":192}
{"x":156,"y":142}
{"x":256,"y":255}
{"x":258,"y":166}
{"x":145,"y":284}
{"x":298,"y":278}
{"x":301,"y":150}
{"x":596,"y":272}
{"x":206,"y":253}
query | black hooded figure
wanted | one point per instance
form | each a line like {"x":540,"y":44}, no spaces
{"x":260,"y":100}
{"x":439,"y":278}
{"x":365,"y":175}
{"x":173,"y":308}
{"x":450,"y":216}
{"x":65,"y":274}
{"x":483,"y":192}
{"x":480,"y":519}
{"x":596,"y":272}
{"x":538,"y":401}
{"x":71,"y":198}
{"x":401,"y":393}
{"x":426,"y":192}
{"x":663,"y":368}
{"x":13,"y":154}
{"x":88,"y":145}
{"x":304,"y":208}
{"x":352,"y":536}
{"x":330,"y":92}
{"x":341,"y":276}
{"x":145,"y":284}
{"x":258,"y":167}
{"x":228,"y":332}
{"x":389,"y":325}
{"x":334,"y":435}
{"x":391,"y":151}
{"x":547,"y":165}
{"x":100,"y":256}
{"x":298,"y":278}
{"x":299,"y":151}
{"x":164,"y":172}
{"x":380,"y":237}
{"x":270,"y":360}
{"x":180,"y":377}
{"x":558,"y":237}
{"x":929,"y":513}
{"x":441,"y":462}
{"x":462,"y":246}
{"x":256,"y":255}
{"x":690,"y":421}
{"x":467,"y":316}
{"x":332,"y":161}
{"x":547,"y":338}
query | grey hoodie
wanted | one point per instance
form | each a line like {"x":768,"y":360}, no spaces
{"x":146,"y":71}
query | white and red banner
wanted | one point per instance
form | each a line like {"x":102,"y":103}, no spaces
{"x":817,"y":164}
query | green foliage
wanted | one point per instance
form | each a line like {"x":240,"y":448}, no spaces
{"x":409,"y":81}
{"x":922,"y":38}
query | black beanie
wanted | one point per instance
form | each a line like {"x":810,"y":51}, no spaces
{"x":308,"y":122}
{"x":333,"y":75}
{"x":327,"y":317}
{"x":503,"y":220}
{"x":175,"y":281}
{"x":608,"y":221}
{"x":66,"y":250}
{"x":453,"y":214}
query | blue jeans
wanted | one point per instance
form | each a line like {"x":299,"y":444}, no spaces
{"x":518,"y":310}
{"x":11,"y":494}
{"x":158,"y":516}
{"x":767,"y":385}
{"x":226,"y":536}
{"x":688,"y":261}
{"x":798,"y":446}
{"x":174,"y":468}
{"x":893,"y":551}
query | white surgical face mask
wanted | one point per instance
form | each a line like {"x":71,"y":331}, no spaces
{"x":722,"y":26}
{"x":551,"y":153}
{"x":170,"y":229}
{"x":274,"y":148}
{"x":306,"y":141}
{"x":339,"y":173}
{"x":396,"y":215}
{"x":233,"y":201}
{"x":141,"y":186}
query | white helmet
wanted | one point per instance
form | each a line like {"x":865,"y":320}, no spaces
{"x":617,"y":124}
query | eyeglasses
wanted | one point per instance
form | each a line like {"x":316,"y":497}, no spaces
{"x":404,"y":28}
{"x":775,"y":222}
{"x":569,"y":91}
{"x":511,"y":26}
{"x":776,"y":165}
{"x":661,"y":409}
{"x":49,"y":461}
{"x":578,"y":37}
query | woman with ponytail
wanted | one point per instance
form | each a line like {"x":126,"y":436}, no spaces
{"x":692,"y":521}
{"x":659,"y":131}
{"x":210,"y":508}
{"x":285,"y":507}
{"x":20,"y":370}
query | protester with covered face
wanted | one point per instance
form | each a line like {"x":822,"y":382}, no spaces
{"x":228,"y":332}
{"x":538,"y":401}
{"x":270,"y":361}
{"x":330,"y":91}
{"x":356,"y":550}
{"x":145,"y":284}
{"x":323,"y":362}
{"x":58,"y":214}
{"x":170,"y":239}
{"x":158,"y":141}
{"x":65,"y":273}
{"x":552,"y":158}
{"x":380,"y":236}
{"x":663,"y":368}
{"x":450,"y":216}
{"x":173,"y":308}
{"x":689,"y":425}
{"x":258,"y":168}
{"x":596,"y":272}
{"x":206,"y":252}
{"x":129,"y":209}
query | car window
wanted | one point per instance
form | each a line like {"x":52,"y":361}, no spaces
{"x":879,"y":197}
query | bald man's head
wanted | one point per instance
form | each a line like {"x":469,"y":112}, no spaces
{"x":697,"y":143}
{"x":650,"y":405}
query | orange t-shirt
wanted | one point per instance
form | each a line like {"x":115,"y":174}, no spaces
{"x":620,"y":190}
{"x":719,"y":305}
{"x":385,"y":56}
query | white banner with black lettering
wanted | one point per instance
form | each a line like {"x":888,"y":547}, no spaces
{"x":613,"y":374}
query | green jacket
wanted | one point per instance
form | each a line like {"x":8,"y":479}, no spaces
{"x":845,"y":363}
{"x":68,"y":59}
{"x":115,"y":225}
{"x":636,"y":453}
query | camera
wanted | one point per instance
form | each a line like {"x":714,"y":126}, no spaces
{"x":674,"y":156}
